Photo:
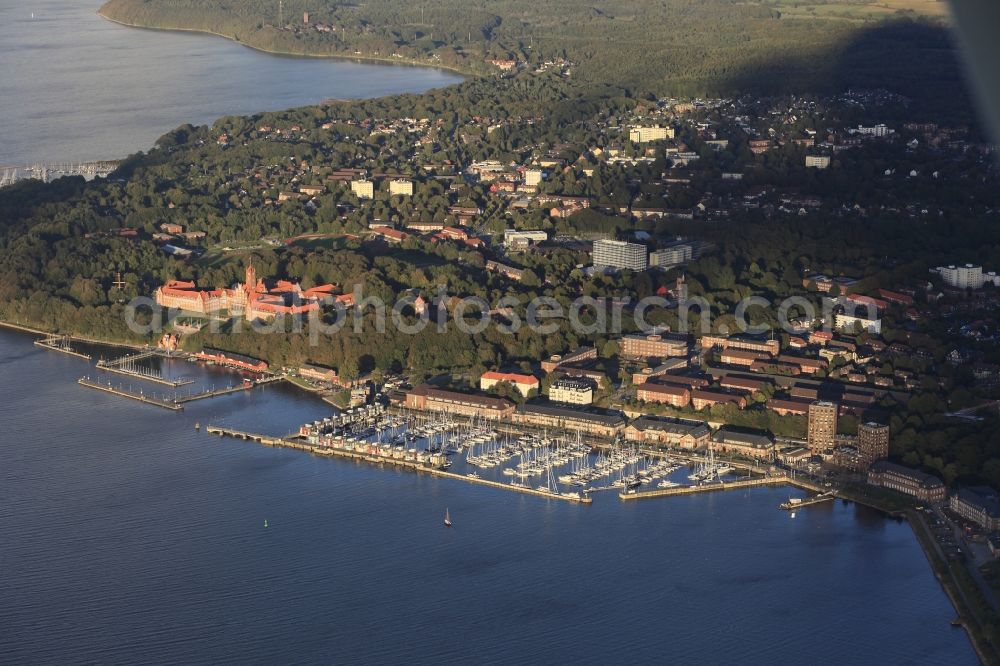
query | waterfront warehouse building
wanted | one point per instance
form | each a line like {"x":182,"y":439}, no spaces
{"x":598,"y":424}
{"x":231,"y":360}
{"x":430,"y":399}
{"x":668,"y":432}
{"x":748,"y":445}
{"x":978,"y":504}
{"x":915,"y":483}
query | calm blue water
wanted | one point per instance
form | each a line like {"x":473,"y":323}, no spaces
{"x":76,"y":87}
{"x":126,"y":536}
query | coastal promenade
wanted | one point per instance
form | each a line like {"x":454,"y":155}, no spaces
{"x":14,"y":326}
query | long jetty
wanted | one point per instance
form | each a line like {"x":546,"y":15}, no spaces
{"x":61,"y":345}
{"x":129,"y":358}
{"x":140,"y":397}
{"x":173,"y":383}
{"x":815,"y":499}
{"x":707,"y":487}
{"x":213,"y":393}
{"x":298,"y":444}
{"x":127,"y":366}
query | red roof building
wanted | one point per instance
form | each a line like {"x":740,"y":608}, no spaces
{"x":523,"y":383}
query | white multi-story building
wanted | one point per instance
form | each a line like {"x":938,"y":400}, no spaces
{"x":817,"y":161}
{"x":647,"y":134}
{"x":620,"y":254}
{"x":844,"y":321}
{"x":513,"y":237}
{"x":671,"y":256}
{"x":401,"y":186}
{"x":968,"y":276}
{"x":533,"y":177}
{"x":363,"y":189}
{"x":874,"y":130}
{"x":572,"y":392}
{"x":524,"y":384}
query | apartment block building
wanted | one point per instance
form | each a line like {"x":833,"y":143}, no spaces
{"x":572,"y":391}
{"x":664,"y":394}
{"x":401,"y":187}
{"x":650,"y":133}
{"x":620,"y":255}
{"x":822,"y":429}
{"x":363,"y":189}
{"x":640,"y":347}
{"x":873,"y":442}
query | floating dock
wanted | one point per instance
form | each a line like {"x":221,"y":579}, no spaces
{"x":285,"y":442}
{"x":794,"y":505}
{"x":140,"y":397}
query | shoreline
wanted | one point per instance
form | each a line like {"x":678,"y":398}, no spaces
{"x":406,"y":62}
{"x":72,"y":336}
{"x":980,"y":644}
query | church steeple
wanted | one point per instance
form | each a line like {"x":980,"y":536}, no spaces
{"x":251,"y":279}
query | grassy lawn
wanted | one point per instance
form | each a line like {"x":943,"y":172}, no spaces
{"x":301,"y":383}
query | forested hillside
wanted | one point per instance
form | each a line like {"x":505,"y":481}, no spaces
{"x":681,"y":47}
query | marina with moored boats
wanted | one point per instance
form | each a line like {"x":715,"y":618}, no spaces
{"x":557,"y":465}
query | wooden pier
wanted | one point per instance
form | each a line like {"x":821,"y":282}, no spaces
{"x":301,"y":445}
{"x":140,"y":397}
{"x":138,"y":374}
{"x":60,"y":344}
{"x":213,"y":393}
{"x":707,"y":487}
{"x":130,"y":358}
{"x":791,"y":505}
